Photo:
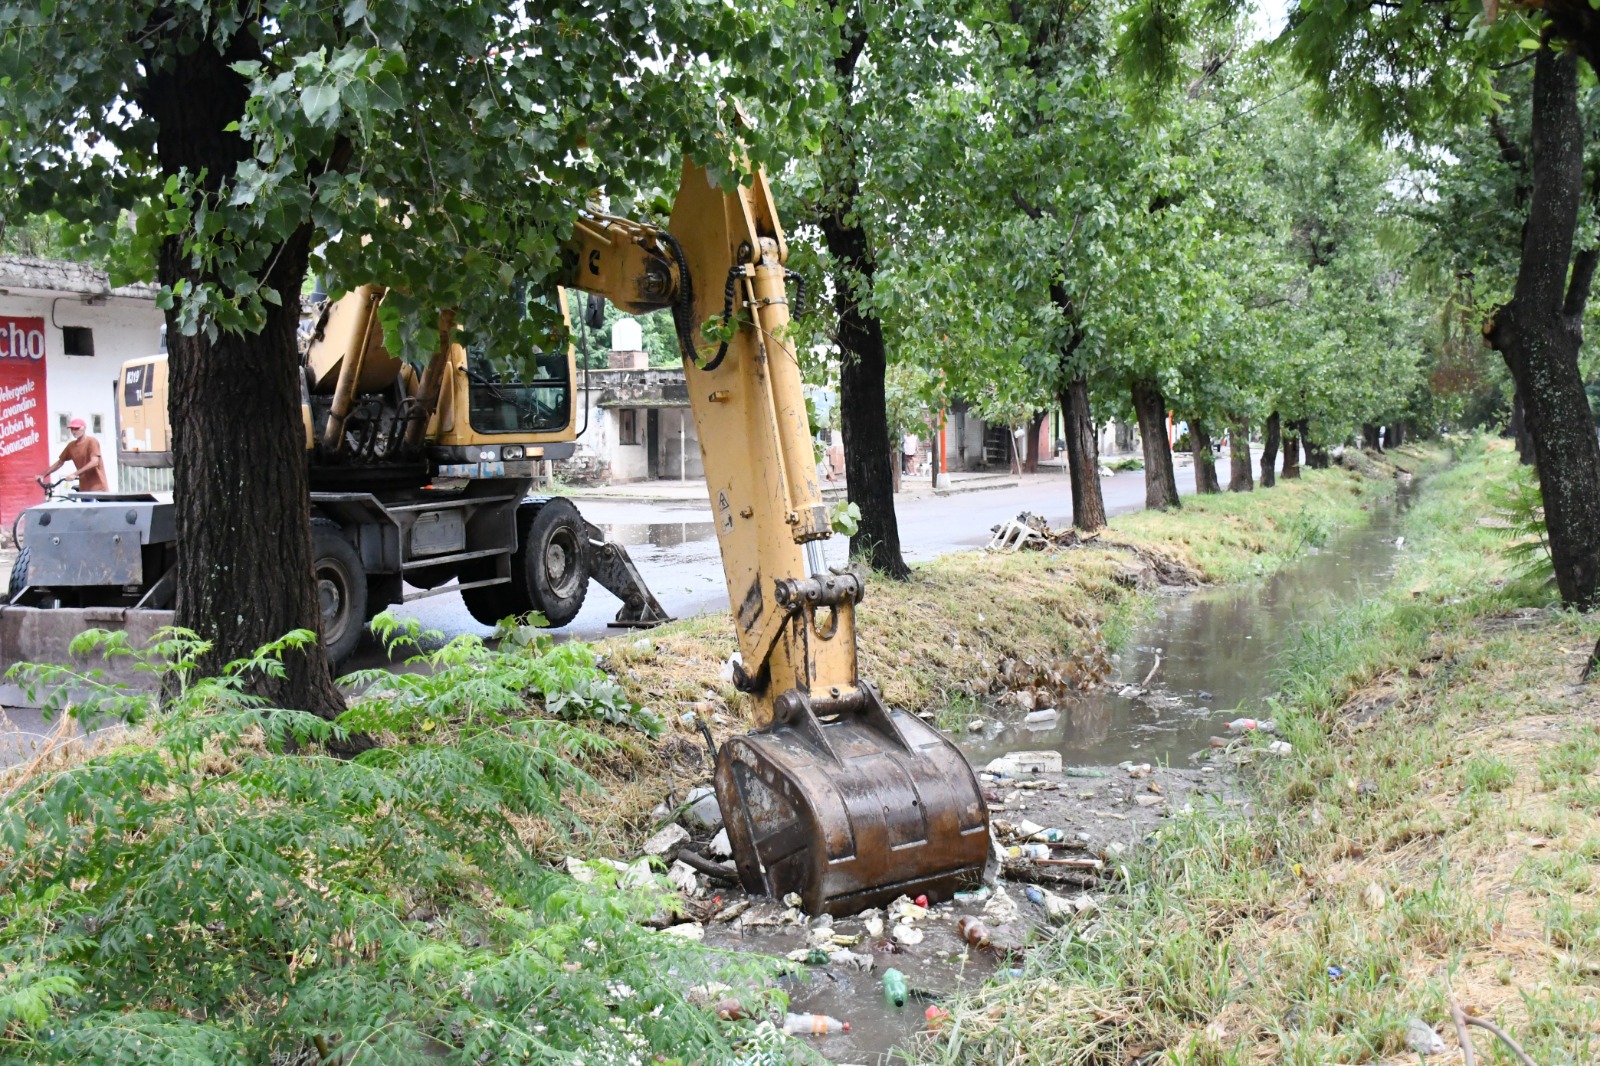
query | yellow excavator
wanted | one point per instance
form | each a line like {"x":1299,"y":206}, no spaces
{"x":833,"y":795}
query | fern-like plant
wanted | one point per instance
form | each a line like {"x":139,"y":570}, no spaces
{"x":1519,"y":511}
{"x":221,"y":889}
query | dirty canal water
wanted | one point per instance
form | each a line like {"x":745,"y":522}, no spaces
{"x":1217,"y":651}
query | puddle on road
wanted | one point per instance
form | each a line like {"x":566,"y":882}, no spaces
{"x":1218,"y":651}
{"x":659,"y":534}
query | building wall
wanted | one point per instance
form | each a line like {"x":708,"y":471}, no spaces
{"x":81,"y":386}
{"x":605,"y":454}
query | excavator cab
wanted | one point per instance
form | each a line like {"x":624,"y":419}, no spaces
{"x":834,"y":795}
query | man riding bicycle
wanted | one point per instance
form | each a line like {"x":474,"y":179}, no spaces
{"x":83,"y":451}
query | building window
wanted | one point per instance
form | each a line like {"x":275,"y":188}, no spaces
{"x":62,"y":431}
{"x":77,"y":340}
{"x":628,"y":426}
{"x":95,"y":424}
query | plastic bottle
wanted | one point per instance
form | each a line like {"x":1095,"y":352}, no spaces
{"x":973,"y":931}
{"x":1035,"y":851}
{"x":813,"y":1025}
{"x":1247,"y":725}
{"x":894,"y":987}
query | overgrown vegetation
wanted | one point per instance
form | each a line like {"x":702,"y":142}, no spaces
{"x":1433,"y":835}
{"x":219,"y":889}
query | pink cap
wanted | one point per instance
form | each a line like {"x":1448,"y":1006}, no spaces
{"x":76,"y":423}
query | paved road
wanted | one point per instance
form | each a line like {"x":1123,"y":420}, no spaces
{"x":674,"y":548}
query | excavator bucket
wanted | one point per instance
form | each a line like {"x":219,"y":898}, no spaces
{"x":852,"y":810}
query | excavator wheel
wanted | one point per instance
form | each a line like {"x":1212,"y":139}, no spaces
{"x":19,"y":575}
{"x":551,"y":569}
{"x":341,"y":584}
{"x":491,"y":603}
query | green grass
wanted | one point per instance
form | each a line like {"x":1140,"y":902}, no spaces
{"x":1409,"y":852}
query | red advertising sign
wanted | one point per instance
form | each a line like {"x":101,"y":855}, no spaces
{"x":24,"y":429}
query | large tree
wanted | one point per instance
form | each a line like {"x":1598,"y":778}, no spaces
{"x":1414,"y":68}
{"x":224,"y":149}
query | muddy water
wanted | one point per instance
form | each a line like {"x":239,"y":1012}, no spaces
{"x":1217,"y":650}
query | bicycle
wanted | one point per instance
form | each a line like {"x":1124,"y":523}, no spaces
{"x":50,"y":493}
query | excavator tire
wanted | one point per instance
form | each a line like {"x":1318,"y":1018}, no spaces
{"x":492,"y":603}
{"x":550,"y":569}
{"x":19,"y":575}
{"x":341,"y":583}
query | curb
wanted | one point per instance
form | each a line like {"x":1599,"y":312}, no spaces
{"x":958,"y":488}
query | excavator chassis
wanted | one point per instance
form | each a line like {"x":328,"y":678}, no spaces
{"x":851,"y":810}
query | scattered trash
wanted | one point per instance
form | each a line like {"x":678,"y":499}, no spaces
{"x":1280,"y":748}
{"x":731,"y":1010}
{"x":644,"y":644}
{"x":1140,"y":770}
{"x":852,"y":959}
{"x":720,"y":846}
{"x":973,"y":931}
{"x":874,"y":925}
{"x":894,"y":987}
{"x":1026,"y":762}
{"x":1029,"y":531}
{"x":908,"y":935}
{"x":688,"y":931}
{"x":1048,"y":714}
{"x":975,"y":726}
{"x":1144,"y":799}
{"x":667,"y":840}
{"x":1335,"y":973}
{"x":977,"y":895}
{"x":1034,"y":895}
{"x":922,"y":901}
{"x":1028,"y":851}
{"x":1252,"y":725}
{"x":936,"y":1016}
{"x":903,"y":910}
{"x":813,"y":1025}
{"x":1421,"y":1038}
{"x":734,"y":660}
{"x":792,"y":900}
{"x":1375,"y":896}
{"x":704,"y":811}
{"x":1027,"y":830}
{"x":1084,"y":771}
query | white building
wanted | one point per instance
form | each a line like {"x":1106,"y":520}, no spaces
{"x":64,"y":333}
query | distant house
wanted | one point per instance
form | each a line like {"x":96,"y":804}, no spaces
{"x":64,"y":333}
{"x":635,"y":421}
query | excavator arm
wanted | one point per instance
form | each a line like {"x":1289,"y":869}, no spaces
{"x":834,"y":796}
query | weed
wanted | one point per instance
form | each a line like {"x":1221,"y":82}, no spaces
{"x":1487,"y":773}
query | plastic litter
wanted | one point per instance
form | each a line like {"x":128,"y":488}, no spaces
{"x":666,"y":840}
{"x":936,"y":1016}
{"x":1026,"y":762}
{"x":1280,"y":748}
{"x":1028,"y":851}
{"x":1249,"y":725}
{"x":1421,"y":1038}
{"x":1084,"y":771}
{"x":977,"y":895}
{"x":1335,"y":973}
{"x":973,"y":931}
{"x":1033,"y":894}
{"x":813,"y":1025}
{"x":894,"y":987}
{"x":855,"y":961}
{"x":1047,"y":714}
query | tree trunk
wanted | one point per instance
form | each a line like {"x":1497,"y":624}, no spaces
{"x":1369,"y":437}
{"x":240,"y":481}
{"x":1239,"y":479}
{"x":1269,"y":450}
{"x":870,"y":457}
{"x":1291,"y":452}
{"x":1394,"y":435}
{"x":1518,"y":430}
{"x":1030,"y":461}
{"x":1317,"y":457}
{"x":1205,"y":458}
{"x":1123,"y":436}
{"x":1160,"y":484}
{"x":1083,"y":457}
{"x":1540,"y":331}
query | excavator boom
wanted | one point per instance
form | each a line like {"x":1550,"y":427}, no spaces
{"x":834,"y":796}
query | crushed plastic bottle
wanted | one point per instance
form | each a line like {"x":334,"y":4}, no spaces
{"x":813,"y":1025}
{"x":973,"y":931}
{"x":894,"y":987}
{"x":1249,"y":725}
{"x":977,"y":895}
{"x":1034,"y":895}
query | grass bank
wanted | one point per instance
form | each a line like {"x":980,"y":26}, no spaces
{"x":970,"y":626}
{"x":1435,"y":834}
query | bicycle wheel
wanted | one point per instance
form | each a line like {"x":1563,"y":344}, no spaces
{"x":16,"y":530}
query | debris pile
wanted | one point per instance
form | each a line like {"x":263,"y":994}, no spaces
{"x":1030,"y":532}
